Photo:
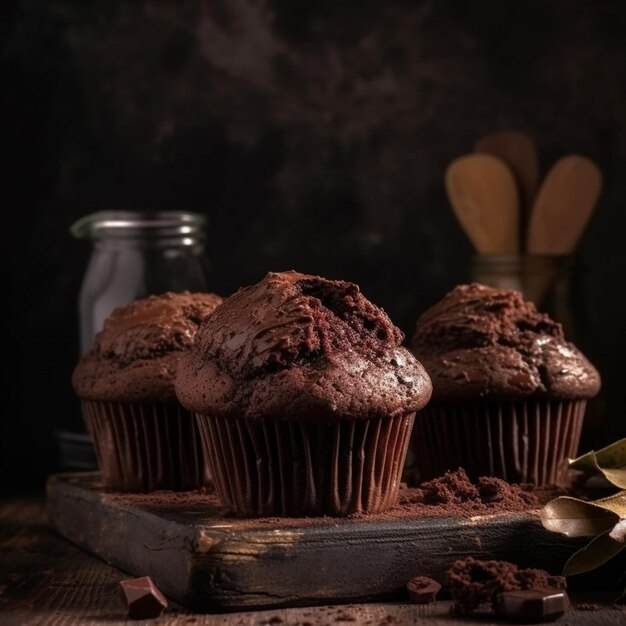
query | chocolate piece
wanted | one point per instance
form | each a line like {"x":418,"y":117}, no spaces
{"x":472,"y":582}
{"x":143,"y":600}
{"x":423,"y":590}
{"x":532,"y":605}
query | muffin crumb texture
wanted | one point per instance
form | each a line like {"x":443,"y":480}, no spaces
{"x":301,"y":347}
{"x":135,"y":355}
{"x":481,"y":343}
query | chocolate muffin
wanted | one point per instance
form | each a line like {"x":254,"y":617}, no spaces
{"x":509,"y":392}
{"x":304,"y":397}
{"x":144,"y":439}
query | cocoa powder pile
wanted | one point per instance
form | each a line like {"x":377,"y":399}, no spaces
{"x":473,"y":583}
{"x":454,"y":494}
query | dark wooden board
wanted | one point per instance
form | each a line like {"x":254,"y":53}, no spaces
{"x":210,"y":562}
{"x":47,"y":580}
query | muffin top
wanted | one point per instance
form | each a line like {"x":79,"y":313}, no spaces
{"x":483,"y":343}
{"x":135,"y":355}
{"x":299,"y":347}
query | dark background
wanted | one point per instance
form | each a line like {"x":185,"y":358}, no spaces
{"x":313,"y":134}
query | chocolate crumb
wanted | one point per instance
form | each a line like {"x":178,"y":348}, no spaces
{"x":495,"y":490}
{"x":423,"y":590}
{"x":473,"y":583}
{"x":451,"y":488}
{"x":454,"y":494}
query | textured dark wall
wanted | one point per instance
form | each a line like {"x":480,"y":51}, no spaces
{"x":313,"y":134}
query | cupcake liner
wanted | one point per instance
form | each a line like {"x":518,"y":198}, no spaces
{"x":292,"y":468}
{"x":146,"y":447}
{"x":525,"y":441}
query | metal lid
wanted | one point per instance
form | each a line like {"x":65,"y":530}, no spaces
{"x":137,"y":224}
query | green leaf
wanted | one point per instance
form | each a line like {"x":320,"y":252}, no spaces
{"x":595,"y":553}
{"x":609,"y":461}
{"x":578,"y":518}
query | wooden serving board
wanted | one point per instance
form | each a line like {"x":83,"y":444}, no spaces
{"x":211,"y":562}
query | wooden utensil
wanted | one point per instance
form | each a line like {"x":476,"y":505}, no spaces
{"x":562,"y":209}
{"x":564,"y":205}
{"x":519,"y":152}
{"x":484,"y":197}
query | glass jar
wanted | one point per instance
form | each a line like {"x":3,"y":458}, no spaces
{"x":134,"y":255}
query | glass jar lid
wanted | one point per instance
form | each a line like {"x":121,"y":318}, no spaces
{"x":139,"y":225}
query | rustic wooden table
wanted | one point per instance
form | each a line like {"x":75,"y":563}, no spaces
{"x":47,"y":580}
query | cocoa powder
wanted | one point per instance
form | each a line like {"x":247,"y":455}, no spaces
{"x":451,"y":495}
{"x":473,"y":583}
{"x":454,"y":494}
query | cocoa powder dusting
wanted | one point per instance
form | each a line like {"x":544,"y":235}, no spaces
{"x":451,"y":495}
{"x":588,"y":606}
{"x":473,"y":583}
{"x":454,"y":494}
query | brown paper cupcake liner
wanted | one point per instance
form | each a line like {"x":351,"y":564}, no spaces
{"x":525,"y":441}
{"x":146,"y":447}
{"x":292,"y":469}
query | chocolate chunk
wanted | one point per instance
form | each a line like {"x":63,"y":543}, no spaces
{"x":423,"y":590}
{"x":143,"y":600}
{"x":532,"y":605}
{"x":554,"y":582}
{"x":473,"y":582}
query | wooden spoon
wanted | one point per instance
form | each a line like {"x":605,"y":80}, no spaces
{"x":482,"y":191}
{"x":519,"y":152}
{"x":561,"y":212}
{"x":564,"y":205}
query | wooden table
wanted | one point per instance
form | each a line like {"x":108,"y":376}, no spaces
{"x":47,"y":580}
